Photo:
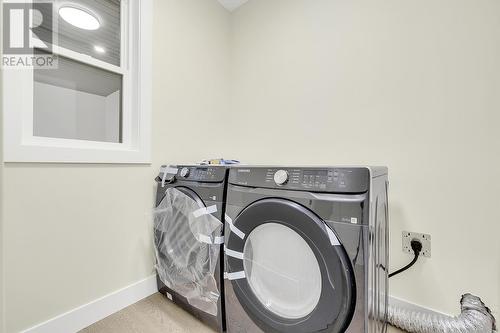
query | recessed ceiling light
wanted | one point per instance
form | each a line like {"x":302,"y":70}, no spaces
{"x":99,"y":49}
{"x":80,"y":18}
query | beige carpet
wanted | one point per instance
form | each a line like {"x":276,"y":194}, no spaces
{"x":153,"y":315}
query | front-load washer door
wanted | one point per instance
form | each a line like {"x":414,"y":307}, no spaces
{"x":288,"y":269}
{"x":179,"y":237}
{"x":186,"y":250}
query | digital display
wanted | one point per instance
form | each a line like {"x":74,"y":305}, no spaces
{"x":319,"y":173}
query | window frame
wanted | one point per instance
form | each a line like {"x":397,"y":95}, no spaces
{"x":20,"y":145}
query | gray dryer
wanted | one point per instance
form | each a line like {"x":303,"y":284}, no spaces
{"x":306,"y":249}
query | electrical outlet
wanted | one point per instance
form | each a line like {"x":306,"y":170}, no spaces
{"x":425,"y":239}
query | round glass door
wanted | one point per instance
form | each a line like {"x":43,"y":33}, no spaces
{"x":284,"y":275}
{"x":179,"y":251}
{"x":185,"y":251}
{"x":292,"y":275}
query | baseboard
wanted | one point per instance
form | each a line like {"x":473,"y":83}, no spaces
{"x":88,"y":314}
{"x":411,"y":306}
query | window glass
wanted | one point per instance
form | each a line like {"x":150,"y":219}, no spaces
{"x":77,"y":101}
{"x":284,"y":276}
{"x":102,"y":43}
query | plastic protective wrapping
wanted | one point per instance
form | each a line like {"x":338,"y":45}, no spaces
{"x":187,"y":249}
{"x":475,"y":318}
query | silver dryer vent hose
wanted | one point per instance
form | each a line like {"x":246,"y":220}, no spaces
{"x":475,"y":318}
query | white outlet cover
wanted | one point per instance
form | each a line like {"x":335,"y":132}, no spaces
{"x":425,"y":239}
{"x":232,"y":5}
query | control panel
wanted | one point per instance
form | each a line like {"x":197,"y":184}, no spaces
{"x":203,"y":174}
{"x":209,"y":174}
{"x":341,"y":180}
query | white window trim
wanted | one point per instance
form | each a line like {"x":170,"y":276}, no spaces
{"x":21,"y":146}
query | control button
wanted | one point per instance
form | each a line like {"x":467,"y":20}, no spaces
{"x":184,"y":172}
{"x":281,"y":177}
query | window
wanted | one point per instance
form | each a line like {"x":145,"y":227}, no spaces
{"x":77,"y":101}
{"x":94,"y":106}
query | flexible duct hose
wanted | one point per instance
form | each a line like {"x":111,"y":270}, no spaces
{"x":475,"y":318}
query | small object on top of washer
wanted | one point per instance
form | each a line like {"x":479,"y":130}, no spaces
{"x":219,"y":161}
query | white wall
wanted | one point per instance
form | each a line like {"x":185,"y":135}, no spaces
{"x":2,"y":321}
{"x":74,"y":233}
{"x":413,"y":85}
{"x":191,"y":80}
{"x":2,"y":299}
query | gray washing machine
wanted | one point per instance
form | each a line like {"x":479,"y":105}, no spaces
{"x":188,"y":238}
{"x":306,"y":249}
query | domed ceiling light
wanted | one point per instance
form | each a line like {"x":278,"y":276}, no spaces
{"x":80,"y":18}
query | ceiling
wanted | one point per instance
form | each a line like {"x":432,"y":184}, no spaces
{"x":232,"y":4}
{"x":107,"y":36}
{"x":83,"y":41}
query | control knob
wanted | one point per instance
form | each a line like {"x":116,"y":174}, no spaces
{"x":184,"y":172}
{"x":281,"y":177}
